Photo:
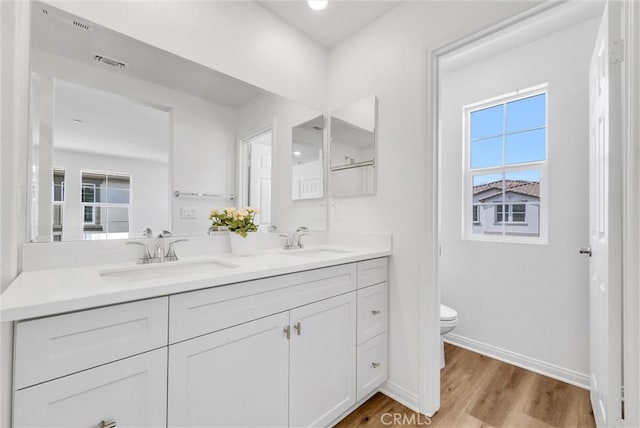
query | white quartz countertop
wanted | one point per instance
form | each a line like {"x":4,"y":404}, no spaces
{"x":53,"y":291}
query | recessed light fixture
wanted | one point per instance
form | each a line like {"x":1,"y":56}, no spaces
{"x":317,"y":4}
{"x":296,"y":153}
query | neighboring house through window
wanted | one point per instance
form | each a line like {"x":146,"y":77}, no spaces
{"x":106,"y":204}
{"x":505,"y":167}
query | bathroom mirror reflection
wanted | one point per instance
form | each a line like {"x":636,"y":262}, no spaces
{"x":307,"y":160}
{"x":126,"y":136}
{"x":353,"y":148}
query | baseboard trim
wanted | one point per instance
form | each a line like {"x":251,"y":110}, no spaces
{"x":569,"y":376}
{"x":401,"y":395}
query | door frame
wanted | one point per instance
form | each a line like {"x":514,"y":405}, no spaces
{"x":242,"y":184}
{"x":630,"y":19}
{"x":429,"y":291}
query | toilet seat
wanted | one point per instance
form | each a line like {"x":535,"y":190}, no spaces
{"x":447,"y":313}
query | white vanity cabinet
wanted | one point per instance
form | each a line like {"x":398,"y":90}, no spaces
{"x":299,"y":349}
{"x":322,"y":376}
{"x":128,"y":393}
{"x":235,"y":377}
{"x":373,"y":321}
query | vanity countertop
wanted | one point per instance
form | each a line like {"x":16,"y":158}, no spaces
{"x":53,"y":291}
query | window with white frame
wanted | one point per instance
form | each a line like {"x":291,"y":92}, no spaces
{"x":106,"y":203}
{"x":505,"y":168}
{"x":57,"y":203}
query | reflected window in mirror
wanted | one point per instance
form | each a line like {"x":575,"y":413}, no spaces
{"x":106,"y":206}
{"x":256,"y":165}
{"x":307,"y":148}
{"x":58,"y":203}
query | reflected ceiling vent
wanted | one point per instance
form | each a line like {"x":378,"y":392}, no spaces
{"x":81,"y":25}
{"x":66,"y":19}
{"x":109,"y":61}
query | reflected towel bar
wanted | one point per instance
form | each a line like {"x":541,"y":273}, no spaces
{"x":352,"y":165}
{"x":179,"y":194}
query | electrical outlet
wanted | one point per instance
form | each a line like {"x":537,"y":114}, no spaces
{"x":188,"y":213}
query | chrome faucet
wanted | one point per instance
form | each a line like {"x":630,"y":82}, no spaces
{"x":146,"y":258}
{"x":171,"y":252}
{"x":299,"y":233}
{"x":293,"y":240}
{"x":159,"y":252}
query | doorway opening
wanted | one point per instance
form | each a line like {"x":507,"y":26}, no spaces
{"x":255,"y":178}
{"x":510,"y":289}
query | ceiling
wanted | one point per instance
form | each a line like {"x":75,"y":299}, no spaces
{"x":340,"y":20}
{"x":92,"y":121}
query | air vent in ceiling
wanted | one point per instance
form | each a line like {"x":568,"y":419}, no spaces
{"x":109,"y":61}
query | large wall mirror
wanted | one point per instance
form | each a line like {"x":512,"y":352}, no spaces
{"x":353,"y":148}
{"x":126,"y":136}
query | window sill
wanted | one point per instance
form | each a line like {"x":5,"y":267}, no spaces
{"x":507,"y":239}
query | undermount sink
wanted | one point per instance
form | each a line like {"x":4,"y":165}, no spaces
{"x":164,"y":270}
{"x":315,"y":252}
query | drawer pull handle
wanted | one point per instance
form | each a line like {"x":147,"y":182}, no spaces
{"x":375,"y":312}
{"x":375,"y":365}
{"x":298,"y":328}
{"x":107,"y":424}
{"x":287,"y":332}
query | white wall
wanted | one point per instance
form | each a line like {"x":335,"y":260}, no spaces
{"x":531,"y":300}
{"x":386,"y":59}
{"x":203,"y":136}
{"x":267,"y":111}
{"x":239,"y":38}
{"x":14,"y":85}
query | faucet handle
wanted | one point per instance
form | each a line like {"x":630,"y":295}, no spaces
{"x":146,"y":258}
{"x":272,"y":229}
{"x":147,"y":232}
{"x":287,"y":241}
{"x":165,"y":234}
{"x":171,"y":252}
{"x":302,"y":229}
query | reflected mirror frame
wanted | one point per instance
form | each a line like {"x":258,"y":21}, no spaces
{"x":363,"y":166}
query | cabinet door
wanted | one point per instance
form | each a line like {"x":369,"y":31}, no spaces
{"x":234,"y":377}
{"x":322,"y":376}
{"x":130,"y":392}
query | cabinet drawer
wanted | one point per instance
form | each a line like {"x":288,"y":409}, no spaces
{"x":372,"y":311}
{"x":372,"y":365}
{"x":200,"y":312}
{"x":52,"y":347}
{"x":130,"y":392}
{"x":372,"y":272}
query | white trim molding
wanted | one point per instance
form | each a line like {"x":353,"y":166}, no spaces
{"x":631,"y":217}
{"x":401,"y":395}
{"x":563,"y":374}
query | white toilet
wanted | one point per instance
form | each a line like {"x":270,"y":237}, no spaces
{"x":448,"y":321}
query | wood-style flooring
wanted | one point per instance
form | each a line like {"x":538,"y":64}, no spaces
{"x":478,"y":391}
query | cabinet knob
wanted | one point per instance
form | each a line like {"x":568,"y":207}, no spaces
{"x":375,"y":365}
{"x":375,"y":312}
{"x":107,"y":424}
{"x":298,"y":328}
